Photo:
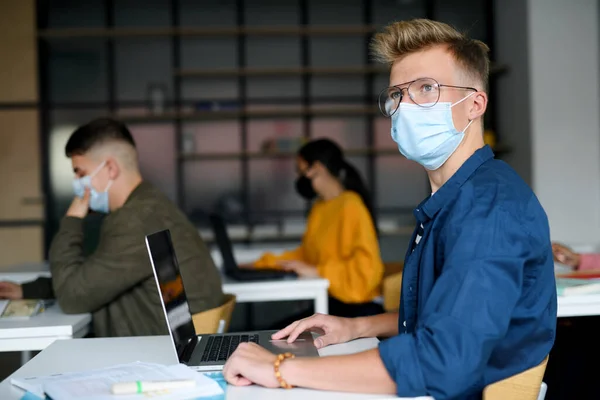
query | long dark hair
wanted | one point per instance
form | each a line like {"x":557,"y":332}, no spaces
{"x":331,"y":156}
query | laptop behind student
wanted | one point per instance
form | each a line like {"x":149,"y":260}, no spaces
{"x":203,"y":352}
{"x":230,"y":266}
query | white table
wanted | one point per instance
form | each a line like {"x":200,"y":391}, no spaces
{"x":578,"y":306}
{"x":278,"y":290}
{"x":37,"y":267}
{"x":314,"y":289}
{"x":281,"y":290}
{"x":22,"y":277}
{"x":83,"y":354}
{"x":53,"y":324}
{"x":245,"y":254}
{"x":40,"y":331}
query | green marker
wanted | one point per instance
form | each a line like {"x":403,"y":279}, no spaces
{"x":150,"y":386}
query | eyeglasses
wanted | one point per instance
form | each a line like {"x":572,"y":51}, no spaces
{"x":424,"y":92}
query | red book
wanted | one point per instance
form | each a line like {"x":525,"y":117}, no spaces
{"x":580,"y":275}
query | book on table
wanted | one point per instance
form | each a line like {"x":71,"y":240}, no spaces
{"x":569,"y":286}
{"x":21,"y":309}
{"x":96,"y":384}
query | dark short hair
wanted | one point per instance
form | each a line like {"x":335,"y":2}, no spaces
{"x":97,"y":132}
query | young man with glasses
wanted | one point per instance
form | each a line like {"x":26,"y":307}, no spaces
{"x":478,"y":297}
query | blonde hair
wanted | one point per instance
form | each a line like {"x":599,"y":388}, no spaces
{"x":405,"y":37}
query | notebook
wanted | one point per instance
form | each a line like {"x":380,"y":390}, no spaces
{"x":577,"y":286}
{"x":21,"y":309}
{"x":581,"y":275}
{"x":96,"y":384}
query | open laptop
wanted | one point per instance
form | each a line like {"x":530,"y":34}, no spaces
{"x":203,"y":352}
{"x":230,"y":266}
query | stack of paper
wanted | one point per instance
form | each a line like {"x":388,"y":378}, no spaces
{"x":96,"y":384}
{"x":20,"y":309}
{"x":574,"y":286}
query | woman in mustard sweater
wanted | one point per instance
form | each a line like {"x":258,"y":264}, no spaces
{"x":340,"y":242}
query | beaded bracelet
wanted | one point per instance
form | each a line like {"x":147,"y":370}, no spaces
{"x":278,"y":361}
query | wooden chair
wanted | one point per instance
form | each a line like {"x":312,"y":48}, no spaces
{"x":523,"y":386}
{"x":391,"y":286}
{"x":215,"y":320}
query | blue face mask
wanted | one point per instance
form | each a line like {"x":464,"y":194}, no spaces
{"x":427,"y":135}
{"x":98,"y":200}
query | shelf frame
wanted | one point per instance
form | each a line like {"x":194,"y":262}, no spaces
{"x":306,"y":108}
{"x":239,"y":30}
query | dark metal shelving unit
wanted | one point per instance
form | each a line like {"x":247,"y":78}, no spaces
{"x":307,"y":106}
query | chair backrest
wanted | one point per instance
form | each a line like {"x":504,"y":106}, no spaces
{"x":523,"y":386}
{"x":208,"y":321}
{"x":392,"y":285}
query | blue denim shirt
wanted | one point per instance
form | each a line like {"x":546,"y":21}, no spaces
{"x":478,"y":292}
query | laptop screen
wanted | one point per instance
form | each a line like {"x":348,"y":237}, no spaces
{"x":223,"y":242}
{"x":171,"y":290}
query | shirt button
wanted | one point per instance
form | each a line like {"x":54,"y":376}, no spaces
{"x":404,"y":323}
{"x":410,"y":288}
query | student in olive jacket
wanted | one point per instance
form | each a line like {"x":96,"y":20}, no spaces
{"x":116,"y":283}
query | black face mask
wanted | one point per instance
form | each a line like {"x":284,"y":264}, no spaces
{"x":304,"y":188}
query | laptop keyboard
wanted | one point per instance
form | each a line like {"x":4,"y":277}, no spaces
{"x":219,"y":348}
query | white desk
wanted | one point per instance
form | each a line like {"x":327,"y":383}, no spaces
{"x":578,"y":306}
{"x":245,"y":254}
{"x":40,"y":331}
{"x":261,"y":291}
{"x":281,"y":290}
{"x":22,"y":277}
{"x":37,"y":267}
{"x":83,"y":354}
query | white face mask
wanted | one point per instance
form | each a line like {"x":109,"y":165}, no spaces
{"x":427,"y":135}
{"x":98,"y":200}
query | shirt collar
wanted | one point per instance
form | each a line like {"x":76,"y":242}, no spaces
{"x":431,"y":205}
